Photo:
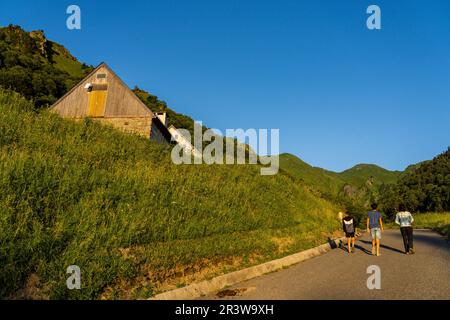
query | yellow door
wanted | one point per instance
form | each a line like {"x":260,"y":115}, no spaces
{"x":97,"y":103}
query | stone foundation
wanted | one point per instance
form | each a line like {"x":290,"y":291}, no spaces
{"x":140,"y":126}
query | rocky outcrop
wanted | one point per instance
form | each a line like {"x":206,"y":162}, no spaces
{"x":41,"y":42}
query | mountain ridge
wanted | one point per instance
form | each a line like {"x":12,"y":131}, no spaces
{"x":356,"y":167}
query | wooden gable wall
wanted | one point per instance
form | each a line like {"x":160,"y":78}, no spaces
{"x":120,"y":100}
{"x":110,"y":101}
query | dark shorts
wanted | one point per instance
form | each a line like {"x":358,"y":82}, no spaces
{"x":350,"y":235}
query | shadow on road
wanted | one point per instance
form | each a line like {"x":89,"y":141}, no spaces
{"x":364,"y":250}
{"x":426,"y":236}
{"x":438,"y":242}
{"x":384,"y":246}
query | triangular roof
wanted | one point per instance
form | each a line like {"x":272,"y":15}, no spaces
{"x":103,"y":64}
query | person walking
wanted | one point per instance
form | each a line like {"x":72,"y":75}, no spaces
{"x":405,"y":219}
{"x":349,"y":226}
{"x":375,"y":226}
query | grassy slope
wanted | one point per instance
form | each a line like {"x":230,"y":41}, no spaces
{"x":331,"y":182}
{"x":436,"y":221}
{"x":64,"y":61}
{"x":439,"y":222}
{"x":115,"y":205}
{"x":361,"y":173}
{"x":323,"y":180}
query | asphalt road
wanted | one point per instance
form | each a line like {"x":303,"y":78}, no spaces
{"x":340,"y":275}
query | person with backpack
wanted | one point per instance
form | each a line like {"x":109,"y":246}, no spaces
{"x":349,"y":225}
{"x":375,"y":226}
{"x":405,"y":219}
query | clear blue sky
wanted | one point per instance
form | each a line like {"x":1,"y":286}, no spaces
{"x":339,"y":93}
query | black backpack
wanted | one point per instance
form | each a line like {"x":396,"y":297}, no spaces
{"x":349,"y":225}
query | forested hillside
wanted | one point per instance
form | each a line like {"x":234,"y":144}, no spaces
{"x":35,"y":67}
{"x":354,"y":189}
{"x":423,"y":188}
{"x":369,"y":174}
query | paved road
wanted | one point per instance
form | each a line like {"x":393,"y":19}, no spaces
{"x":340,"y":275}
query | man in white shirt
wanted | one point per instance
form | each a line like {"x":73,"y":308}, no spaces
{"x":405,"y":220}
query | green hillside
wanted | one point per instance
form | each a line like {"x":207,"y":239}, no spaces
{"x":360,"y":183}
{"x":413,"y":167}
{"x":324,"y":181}
{"x":37,"y":68}
{"x":369,"y":174}
{"x":115,"y":205}
{"x":422,"y":188}
{"x":63,"y":60}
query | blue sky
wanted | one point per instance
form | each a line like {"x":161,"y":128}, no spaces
{"x":339,"y":93}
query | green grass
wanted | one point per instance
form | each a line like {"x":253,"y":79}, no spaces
{"x":115,"y":205}
{"x":436,"y":221}
{"x":331,"y":183}
{"x":325,"y":181}
{"x":439,"y":222}
{"x":65,"y":62}
{"x":355,"y":188}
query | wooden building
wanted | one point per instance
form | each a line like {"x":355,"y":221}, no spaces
{"x":103,"y":96}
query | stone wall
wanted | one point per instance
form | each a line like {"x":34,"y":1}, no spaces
{"x":139,"y":125}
